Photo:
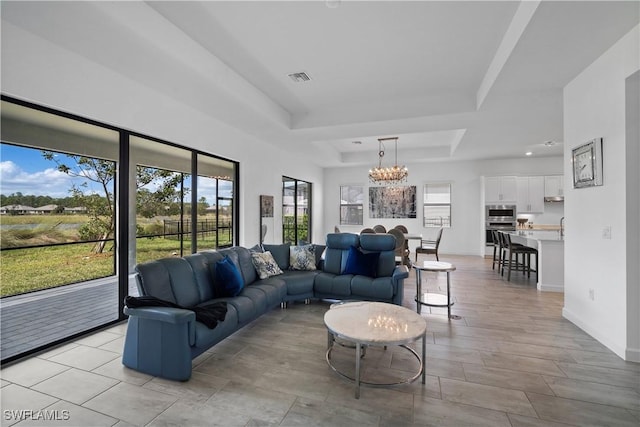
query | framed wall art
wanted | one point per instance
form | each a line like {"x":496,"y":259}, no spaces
{"x":392,"y":202}
{"x":587,"y":164}
{"x":266,"y":219}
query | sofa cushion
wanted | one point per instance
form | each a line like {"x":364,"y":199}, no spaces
{"x":274,"y":287}
{"x":299,"y":282}
{"x":380,"y":288}
{"x":384,"y":244}
{"x":280,"y":254}
{"x":302,"y":257}
{"x":332,"y":285}
{"x":229,"y":281}
{"x":359,"y":263}
{"x":338,"y":245}
{"x":265,"y":265}
{"x":205,"y":337}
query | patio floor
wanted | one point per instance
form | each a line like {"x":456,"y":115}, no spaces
{"x":32,"y":320}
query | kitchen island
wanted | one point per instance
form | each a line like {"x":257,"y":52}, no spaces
{"x":550,"y":246}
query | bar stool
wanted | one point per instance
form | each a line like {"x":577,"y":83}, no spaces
{"x":497,"y":250}
{"x":518,"y":249}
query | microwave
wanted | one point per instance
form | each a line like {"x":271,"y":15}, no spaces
{"x":500,"y":213}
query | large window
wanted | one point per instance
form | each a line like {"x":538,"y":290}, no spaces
{"x":351,"y":201}
{"x":166,"y":223}
{"x":80,"y":204}
{"x":215,"y":201}
{"x":296,"y":210}
{"x":437,"y":205}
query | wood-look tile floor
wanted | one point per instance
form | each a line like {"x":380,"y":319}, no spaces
{"x":511,"y":360}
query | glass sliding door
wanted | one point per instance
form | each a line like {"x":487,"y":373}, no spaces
{"x":162,"y":199}
{"x":296,"y":210}
{"x":58,"y":210}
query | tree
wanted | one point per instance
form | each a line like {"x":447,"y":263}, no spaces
{"x":165,"y":200}
{"x":100,"y":206}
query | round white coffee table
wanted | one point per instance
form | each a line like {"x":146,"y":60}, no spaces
{"x":366,"y":323}
{"x":433,"y":299}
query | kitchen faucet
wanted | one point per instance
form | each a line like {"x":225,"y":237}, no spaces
{"x":562,"y":227}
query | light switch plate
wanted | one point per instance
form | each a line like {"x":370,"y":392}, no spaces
{"x":606,"y":232}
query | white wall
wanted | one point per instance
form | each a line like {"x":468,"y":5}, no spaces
{"x":633,"y":214}
{"x":466,"y":235}
{"x":36,"y":70}
{"x":594,"y":107}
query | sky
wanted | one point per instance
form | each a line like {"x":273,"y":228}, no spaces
{"x":25,"y":170}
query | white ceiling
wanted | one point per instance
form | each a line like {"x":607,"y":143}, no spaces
{"x":454,"y":80}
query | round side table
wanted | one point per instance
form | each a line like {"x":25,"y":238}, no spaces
{"x":432,"y":299}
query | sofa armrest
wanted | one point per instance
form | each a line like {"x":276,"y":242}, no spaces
{"x":159,"y":340}
{"x":400,"y":272}
{"x":162,"y":314}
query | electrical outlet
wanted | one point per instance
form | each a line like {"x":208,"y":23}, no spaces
{"x":591,"y":294}
{"x":606,"y":232}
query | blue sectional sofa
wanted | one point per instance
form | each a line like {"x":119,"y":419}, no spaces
{"x":162,"y":341}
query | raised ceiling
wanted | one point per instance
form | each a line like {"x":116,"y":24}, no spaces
{"x":454,"y":80}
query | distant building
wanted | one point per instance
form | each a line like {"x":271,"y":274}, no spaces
{"x":46,"y":209}
{"x":17,"y":210}
{"x":78,"y":210}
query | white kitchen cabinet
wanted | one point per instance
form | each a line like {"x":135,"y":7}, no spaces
{"x":500,"y":189}
{"x":530,"y":191}
{"x":554,"y":186}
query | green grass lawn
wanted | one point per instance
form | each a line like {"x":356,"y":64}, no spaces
{"x":26,"y":270}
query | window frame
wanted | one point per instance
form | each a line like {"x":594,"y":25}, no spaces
{"x":426,"y":205}
{"x":351,"y":205}
{"x":296,"y":234}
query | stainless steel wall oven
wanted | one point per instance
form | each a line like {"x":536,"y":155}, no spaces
{"x":499,"y":217}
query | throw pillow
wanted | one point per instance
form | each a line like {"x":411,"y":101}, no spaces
{"x":228,"y":278}
{"x":302,"y":257}
{"x":360,"y":263}
{"x":256,"y":248}
{"x":265,"y":265}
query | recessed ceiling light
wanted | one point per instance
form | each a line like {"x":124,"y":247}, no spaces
{"x":528,"y":153}
{"x":550,"y":143}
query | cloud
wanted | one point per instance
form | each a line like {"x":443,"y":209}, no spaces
{"x":48,"y":182}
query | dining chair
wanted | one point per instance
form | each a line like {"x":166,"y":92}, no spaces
{"x":367,"y":231}
{"x":402,"y":228}
{"x":402,"y":254}
{"x":430,"y":246}
{"x":379,"y":228}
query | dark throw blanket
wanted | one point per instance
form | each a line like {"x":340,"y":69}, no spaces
{"x":209,"y":314}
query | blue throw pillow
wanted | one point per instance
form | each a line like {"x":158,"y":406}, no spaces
{"x":360,"y":263}
{"x":228,"y":278}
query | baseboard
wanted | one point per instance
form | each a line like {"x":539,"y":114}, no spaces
{"x":550,"y":288}
{"x":602,"y":338}
{"x":633,"y":355}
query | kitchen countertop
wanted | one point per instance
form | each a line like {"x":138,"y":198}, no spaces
{"x":540,"y":235}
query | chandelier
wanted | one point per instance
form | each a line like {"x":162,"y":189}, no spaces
{"x":392,"y":175}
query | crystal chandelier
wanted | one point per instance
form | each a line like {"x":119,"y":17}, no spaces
{"x":392,"y":175}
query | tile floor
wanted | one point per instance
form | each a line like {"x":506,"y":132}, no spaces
{"x":512,"y":360}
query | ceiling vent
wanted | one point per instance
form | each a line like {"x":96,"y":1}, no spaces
{"x":299,"y":77}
